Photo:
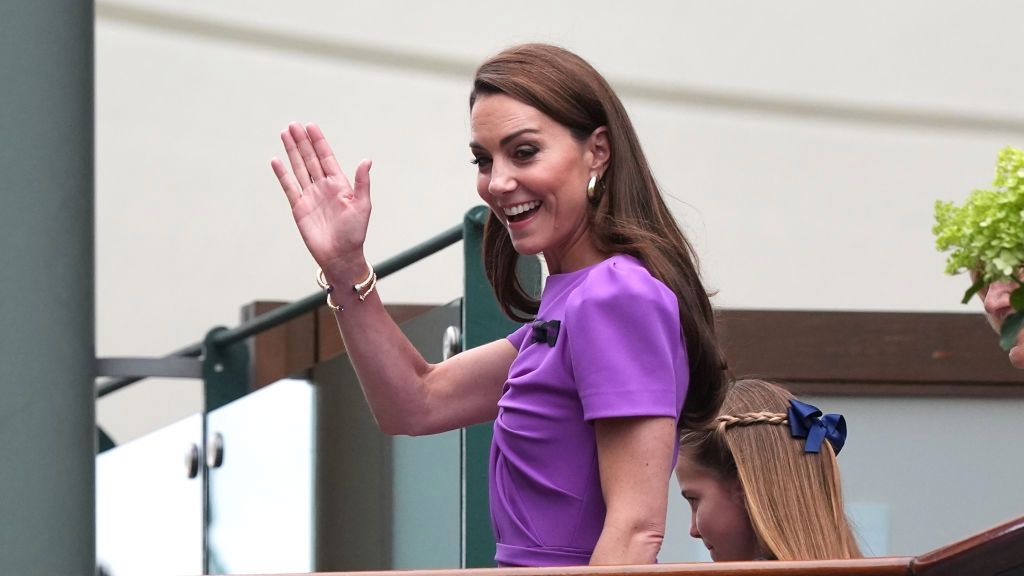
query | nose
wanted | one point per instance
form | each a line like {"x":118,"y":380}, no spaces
{"x":694,"y":532}
{"x":502,"y":180}
{"x":998,"y":296}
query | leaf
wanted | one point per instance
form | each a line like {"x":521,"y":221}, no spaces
{"x":1008,"y":332}
{"x":973,"y":290}
{"x":1017,"y":298}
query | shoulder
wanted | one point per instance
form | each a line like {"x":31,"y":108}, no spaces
{"x":621,"y":281}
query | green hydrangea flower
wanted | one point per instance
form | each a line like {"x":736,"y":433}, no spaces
{"x":986,"y":234}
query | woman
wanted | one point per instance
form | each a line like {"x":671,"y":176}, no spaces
{"x":586,"y":400}
{"x":762,"y":481}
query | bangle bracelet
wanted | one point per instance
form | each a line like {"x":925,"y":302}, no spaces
{"x":371,"y":278}
{"x":363,"y":289}
{"x":321,"y":280}
{"x":373,"y":284}
{"x":332,"y":305}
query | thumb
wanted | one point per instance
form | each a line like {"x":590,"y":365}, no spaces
{"x":362,"y":179}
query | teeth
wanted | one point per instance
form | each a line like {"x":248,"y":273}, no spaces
{"x":520,"y":208}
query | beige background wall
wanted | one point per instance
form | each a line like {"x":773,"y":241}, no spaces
{"x":803,"y":143}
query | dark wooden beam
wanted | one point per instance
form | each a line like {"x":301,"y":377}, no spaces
{"x":857,"y":353}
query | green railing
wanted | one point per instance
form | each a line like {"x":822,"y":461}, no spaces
{"x":223,"y":338}
{"x":222,"y":361}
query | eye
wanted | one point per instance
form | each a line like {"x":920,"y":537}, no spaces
{"x":481,"y":161}
{"x":525,"y":152}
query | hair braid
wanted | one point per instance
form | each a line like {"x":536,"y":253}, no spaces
{"x":725,"y":420}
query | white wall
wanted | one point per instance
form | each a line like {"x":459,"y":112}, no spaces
{"x":804,"y":144}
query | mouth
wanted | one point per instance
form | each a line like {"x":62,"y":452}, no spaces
{"x":520,"y":212}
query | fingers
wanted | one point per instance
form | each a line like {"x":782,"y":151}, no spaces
{"x":306,"y":151}
{"x":294,"y":157}
{"x":288,"y":183}
{"x":323,"y":151}
{"x":362,"y":181}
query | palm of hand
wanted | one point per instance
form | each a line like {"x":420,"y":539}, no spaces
{"x":331,"y":219}
{"x":332,"y":215}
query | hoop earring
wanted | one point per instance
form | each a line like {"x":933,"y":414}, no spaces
{"x":592,"y":193}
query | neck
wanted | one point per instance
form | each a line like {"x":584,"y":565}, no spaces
{"x":579,"y":254}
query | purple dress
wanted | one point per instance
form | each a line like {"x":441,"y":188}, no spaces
{"x":619,"y":351}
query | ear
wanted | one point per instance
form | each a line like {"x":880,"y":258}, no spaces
{"x":600,"y":150}
{"x":736,"y":492}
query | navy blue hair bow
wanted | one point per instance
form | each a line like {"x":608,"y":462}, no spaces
{"x":806,"y":421}
{"x":546,"y":331}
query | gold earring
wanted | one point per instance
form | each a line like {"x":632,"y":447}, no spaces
{"x":592,"y":194}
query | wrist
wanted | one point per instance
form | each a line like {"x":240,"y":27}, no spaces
{"x":337,"y":295}
{"x":343,"y":275}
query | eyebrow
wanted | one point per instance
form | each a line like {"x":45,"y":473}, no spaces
{"x":509,"y":138}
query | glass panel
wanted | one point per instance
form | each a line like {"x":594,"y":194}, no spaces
{"x":149,"y":513}
{"x":426,"y":472}
{"x":261,"y":494}
{"x":385,"y":502}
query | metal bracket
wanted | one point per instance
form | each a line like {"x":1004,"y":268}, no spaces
{"x":225,"y":371}
{"x":167,"y":367}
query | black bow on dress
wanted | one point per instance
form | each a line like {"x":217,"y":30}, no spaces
{"x":546,"y":331}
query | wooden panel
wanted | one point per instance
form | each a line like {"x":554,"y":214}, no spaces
{"x":294,"y":347}
{"x":866,"y":567}
{"x":869,"y":352}
{"x":812,"y":352}
{"x":996,"y":551}
{"x":329,"y":342}
{"x":283,"y":351}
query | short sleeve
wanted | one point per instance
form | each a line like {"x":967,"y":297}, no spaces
{"x":625,"y":344}
{"x":517,"y":337}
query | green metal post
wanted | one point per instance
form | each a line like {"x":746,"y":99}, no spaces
{"x":47,"y":317}
{"x":225,"y":370}
{"x":482,"y":322}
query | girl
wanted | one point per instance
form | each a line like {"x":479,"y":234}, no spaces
{"x":762,"y":480}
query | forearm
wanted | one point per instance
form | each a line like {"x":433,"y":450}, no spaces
{"x":635,"y":461}
{"x":406,"y":394}
{"x":390,"y":369}
{"x":629,"y":541}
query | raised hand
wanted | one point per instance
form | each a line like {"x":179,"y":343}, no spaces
{"x":332,"y":214}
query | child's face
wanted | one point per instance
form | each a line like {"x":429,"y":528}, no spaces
{"x":719,"y":516}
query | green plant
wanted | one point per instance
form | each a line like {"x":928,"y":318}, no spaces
{"x":986,"y":236}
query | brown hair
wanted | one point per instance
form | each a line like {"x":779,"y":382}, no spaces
{"x":631,"y":216}
{"x":794,"y":498}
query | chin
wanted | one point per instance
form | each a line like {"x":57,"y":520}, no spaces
{"x":525,"y":249}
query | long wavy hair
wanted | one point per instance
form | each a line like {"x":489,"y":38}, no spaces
{"x":794,"y":498}
{"x":630,"y":218}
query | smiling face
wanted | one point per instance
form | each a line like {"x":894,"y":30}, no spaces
{"x":533,"y":173}
{"x":718,"y":514}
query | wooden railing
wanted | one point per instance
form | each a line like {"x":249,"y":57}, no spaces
{"x":995,"y":552}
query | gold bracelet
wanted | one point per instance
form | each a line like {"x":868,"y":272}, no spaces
{"x":332,"y":305}
{"x":371,"y":278}
{"x":321,"y":280}
{"x":363,"y":289}
{"x":373,"y":284}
